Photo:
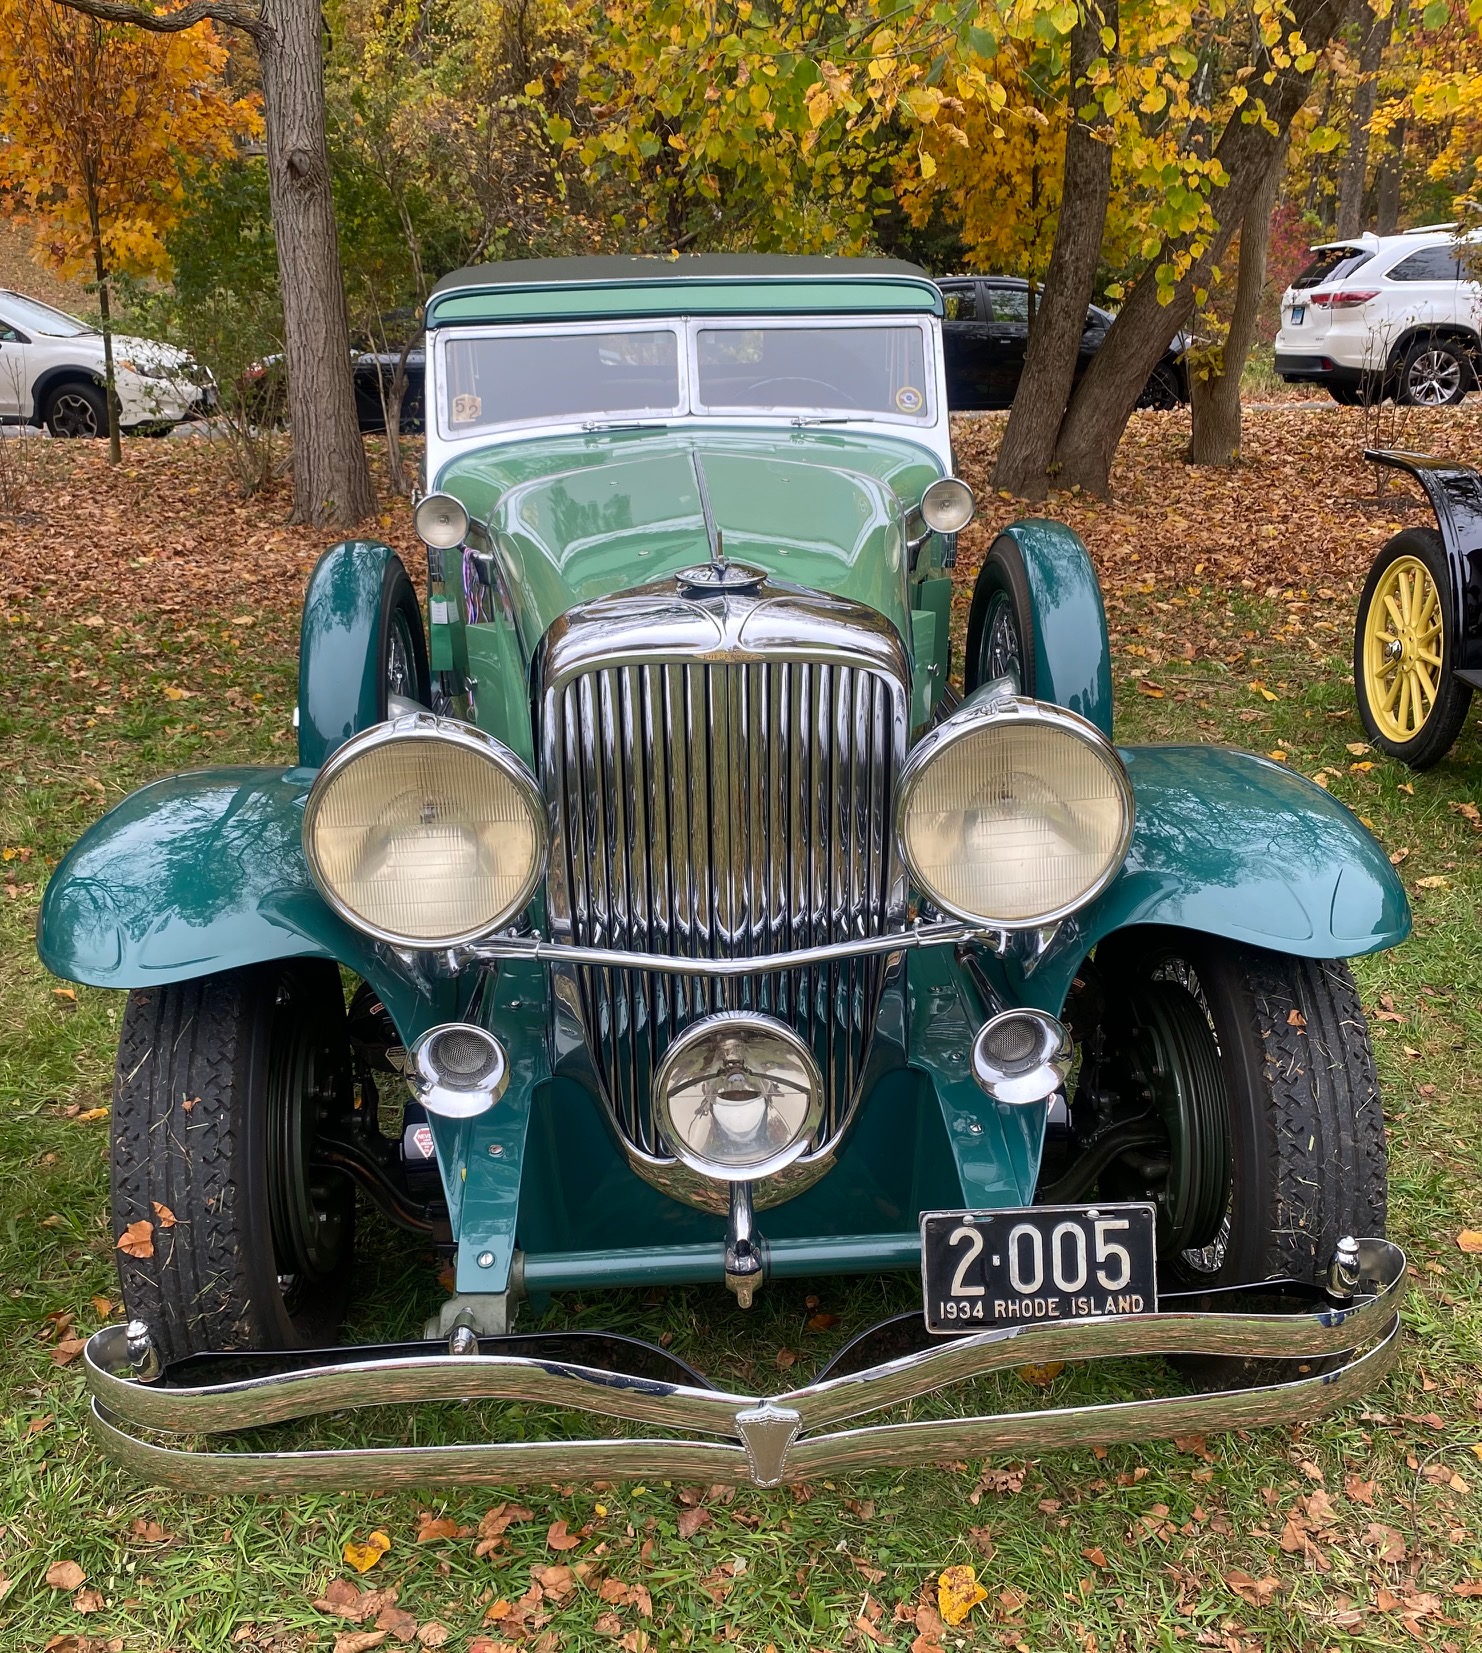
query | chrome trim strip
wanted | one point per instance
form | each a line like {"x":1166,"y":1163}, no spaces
{"x":947,"y":933}
{"x":772,"y":1432}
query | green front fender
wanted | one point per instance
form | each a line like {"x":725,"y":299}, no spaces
{"x":205,"y":872}
{"x":1234,"y":845}
{"x":340,"y":648}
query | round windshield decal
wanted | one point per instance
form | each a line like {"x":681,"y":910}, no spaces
{"x":909,"y":400}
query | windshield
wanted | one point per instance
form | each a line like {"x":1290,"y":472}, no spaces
{"x":1332,"y":264}
{"x":35,"y":317}
{"x":869,"y":370}
{"x":525,"y":378}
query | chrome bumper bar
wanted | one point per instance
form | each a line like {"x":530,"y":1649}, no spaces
{"x":786,"y":1437}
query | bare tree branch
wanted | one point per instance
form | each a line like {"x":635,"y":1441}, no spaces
{"x":172,"y":22}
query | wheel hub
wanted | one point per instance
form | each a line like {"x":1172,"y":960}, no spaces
{"x":1402,"y":655}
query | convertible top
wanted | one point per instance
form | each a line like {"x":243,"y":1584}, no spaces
{"x":622,"y":285}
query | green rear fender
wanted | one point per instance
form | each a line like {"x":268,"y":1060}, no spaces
{"x":1236,"y":846}
{"x":205,"y":872}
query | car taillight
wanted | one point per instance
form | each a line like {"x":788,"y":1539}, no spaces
{"x":1342,"y":301}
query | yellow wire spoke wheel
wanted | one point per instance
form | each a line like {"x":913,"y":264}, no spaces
{"x":1410,"y":698}
{"x":1402,"y":656}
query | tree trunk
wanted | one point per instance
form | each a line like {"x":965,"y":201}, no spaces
{"x":1056,"y":325}
{"x":331,"y":478}
{"x":1356,"y":159}
{"x":1145,"y":326}
{"x":1387,"y":180}
{"x":105,"y":315}
{"x":1216,"y":400}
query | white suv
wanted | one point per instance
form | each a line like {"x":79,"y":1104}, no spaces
{"x":1386,"y":316}
{"x":51,"y":374}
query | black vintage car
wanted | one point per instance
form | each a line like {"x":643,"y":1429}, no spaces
{"x":986,"y":332}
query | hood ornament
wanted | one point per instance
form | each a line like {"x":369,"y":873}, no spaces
{"x":718,"y":575}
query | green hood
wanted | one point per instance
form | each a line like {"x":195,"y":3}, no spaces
{"x":576,"y":517}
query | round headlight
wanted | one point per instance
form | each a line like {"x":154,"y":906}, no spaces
{"x":425,"y":833}
{"x":738,"y":1096}
{"x":1014,"y":815}
{"x":948,"y":505}
{"x":441,"y":521}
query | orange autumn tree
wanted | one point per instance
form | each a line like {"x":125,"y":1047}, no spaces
{"x":101,"y":127}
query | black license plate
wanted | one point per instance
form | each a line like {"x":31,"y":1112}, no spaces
{"x":1040,"y":1263}
{"x":1298,"y":311}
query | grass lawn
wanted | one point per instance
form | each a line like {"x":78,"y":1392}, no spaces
{"x":148,"y":623}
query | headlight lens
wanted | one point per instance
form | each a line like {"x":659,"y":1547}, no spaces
{"x":738,"y":1096}
{"x":1015,"y":814}
{"x":441,"y":521}
{"x":948,"y":505}
{"x":425,"y":833}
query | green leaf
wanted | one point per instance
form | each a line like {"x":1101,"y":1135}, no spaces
{"x":1436,"y":14}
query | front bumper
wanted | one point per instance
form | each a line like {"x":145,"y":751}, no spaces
{"x":745,"y":1438}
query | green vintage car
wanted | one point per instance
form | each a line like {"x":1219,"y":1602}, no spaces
{"x":660,"y":913}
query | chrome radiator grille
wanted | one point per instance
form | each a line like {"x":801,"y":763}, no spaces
{"x":725,"y":808}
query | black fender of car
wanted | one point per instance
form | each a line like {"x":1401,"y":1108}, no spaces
{"x":1455,"y":494}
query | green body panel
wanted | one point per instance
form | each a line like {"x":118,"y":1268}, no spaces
{"x":1072,"y":660}
{"x":340,"y":647}
{"x":1235,"y":846}
{"x":205,"y":872}
{"x":700,"y":296}
{"x":576,"y":517}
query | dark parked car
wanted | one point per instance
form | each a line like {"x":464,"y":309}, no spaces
{"x":986,"y":331}
{"x":265,"y":388}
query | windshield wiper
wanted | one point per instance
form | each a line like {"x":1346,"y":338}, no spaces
{"x":625,"y":424}
{"x":830,"y":419}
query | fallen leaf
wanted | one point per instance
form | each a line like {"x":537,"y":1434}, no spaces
{"x":692,"y":1520}
{"x":67,"y":1350}
{"x":64,"y":1575}
{"x":1434,"y":882}
{"x":88,"y":1115}
{"x":433,"y":1634}
{"x":958,"y":1592}
{"x":102,"y":1305}
{"x":1041,"y":1375}
{"x":785,"y":1358}
{"x":1362,"y":1492}
{"x":137,"y":1240}
{"x":557,"y":1537}
{"x":1388,"y":1542}
{"x":1256,"y":1591}
{"x":342,"y":1597}
{"x":87,"y":1601}
{"x":1260,"y":688}
{"x":822,"y":1322}
{"x":362,"y":1557}
{"x":401,"y":1624}
{"x":442,"y":1527}
{"x":1470,"y":1241}
{"x":163,"y":1214}
{"x":1295,"y":1018}
{"x":357,"y":1641}
{"x":1095,"y":1555}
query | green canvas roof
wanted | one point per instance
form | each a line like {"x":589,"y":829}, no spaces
{"x":616,"y":285}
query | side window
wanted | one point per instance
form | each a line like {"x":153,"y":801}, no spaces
{"x":1010,"y":305}
{"x":8,"y":334}
{"x":959,"y":304}
{"x":1429,"y":264}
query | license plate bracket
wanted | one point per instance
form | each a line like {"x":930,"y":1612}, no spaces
{"x":1298,"y":311}
{"x":1037,"y":1264}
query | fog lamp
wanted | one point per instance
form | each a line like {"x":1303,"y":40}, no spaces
{"x":457,"y":1070}
{"x":441,"y":521}
{"x":738,"y":1096}
{"x":1021,"y":1056}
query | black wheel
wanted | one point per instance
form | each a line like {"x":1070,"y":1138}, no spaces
{"x":1435,"y":373}
{"x":1000,"y":627}
{"x":404,"y":673}
{"x":1346,"y":396}
{"x":76,"y":409}
{"x":223,"y":1086}
{"x":1242,"y":1083}
{"x":1162,"y":389}
{"x":1410,"y":700}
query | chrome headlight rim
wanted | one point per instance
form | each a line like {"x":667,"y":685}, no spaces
{"x":421,"y":726}
{"x":1005,"y":709}
{"x":428,"y":506}
{"x":951,"y":520}
{"x":713,"y":1170}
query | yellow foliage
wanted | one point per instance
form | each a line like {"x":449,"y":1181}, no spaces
{"x":105,"y":123}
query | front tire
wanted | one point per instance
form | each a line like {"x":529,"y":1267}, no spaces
{"x":1000,"y":627}
{"x":1258,"y":1070}
{"x":1410,"y":700}
{"x":77,"y":409}
{"x":404,"y":674}
{"x":1435,"y":373}
{"x":223,"y":1084}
